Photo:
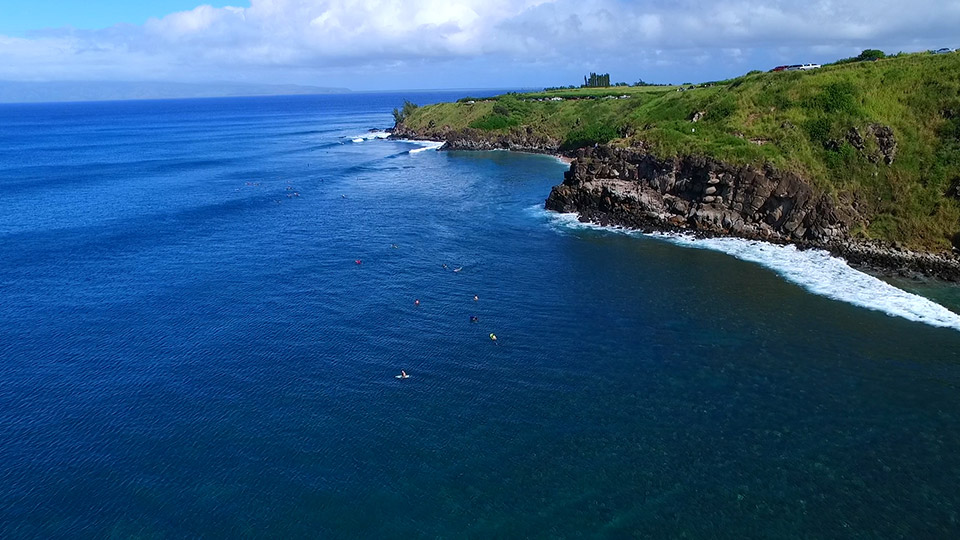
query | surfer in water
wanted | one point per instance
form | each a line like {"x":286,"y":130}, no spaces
{"x":493,"y":338}
{"x":403,"y":375}
{"x":476,"y":298}
{"x":474,"y":318}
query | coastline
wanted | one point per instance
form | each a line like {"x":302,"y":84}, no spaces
{"x":620,"y":201}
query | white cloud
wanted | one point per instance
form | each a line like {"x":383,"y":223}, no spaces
{"x":296,"y":40}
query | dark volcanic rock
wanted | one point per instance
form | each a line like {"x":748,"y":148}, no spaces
{"x":855,"y":139}
{"x":520,"y":139}
{"x":630,"y":188}
{"x":889,"y":259}
{"x":635,"y":189}
{"x":885,"y":140}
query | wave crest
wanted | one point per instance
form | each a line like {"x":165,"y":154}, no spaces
{"x":369,"y":136}
{"x":815,"y":270}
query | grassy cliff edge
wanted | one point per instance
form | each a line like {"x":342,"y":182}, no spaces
{"x":883,"y":134}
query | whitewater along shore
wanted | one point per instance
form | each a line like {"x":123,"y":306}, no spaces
{"x":702,"y":196}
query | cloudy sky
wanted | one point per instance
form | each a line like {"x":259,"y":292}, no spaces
{"x":394,"y":44}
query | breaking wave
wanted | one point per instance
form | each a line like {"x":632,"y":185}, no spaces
{"x":424,"y":145}
{"x":369,"y":136}
{"x":815,"y":270}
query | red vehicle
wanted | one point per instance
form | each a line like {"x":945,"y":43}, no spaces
{"x":779,"y":68}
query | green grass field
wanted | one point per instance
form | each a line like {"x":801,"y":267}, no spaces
{"x":796,"y":120}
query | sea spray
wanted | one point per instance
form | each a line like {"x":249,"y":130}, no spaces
{"x":815,"y":270}
{"x":425,"y":145}
{"x":369,"y":136}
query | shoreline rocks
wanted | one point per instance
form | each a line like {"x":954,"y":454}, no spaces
{"x":517,"y":140}
{"x":630,"y":188}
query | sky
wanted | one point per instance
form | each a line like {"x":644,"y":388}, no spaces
{"x":421,"y":44}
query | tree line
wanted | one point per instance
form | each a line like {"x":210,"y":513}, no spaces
{"x":595,"y":80}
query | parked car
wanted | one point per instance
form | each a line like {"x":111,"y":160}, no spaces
{"x":944,"y":50}
{"x":801,"y":67}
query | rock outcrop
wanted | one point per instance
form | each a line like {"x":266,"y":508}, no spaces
{"x":629,"y":187}
{"x":882,"y":136}
{"x":520,"y":139}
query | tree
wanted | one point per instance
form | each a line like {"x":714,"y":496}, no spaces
{"x":868,"y":55}
{"x":871,"y":54}
{"x":595,"y":80}
{"x":402,"y":114}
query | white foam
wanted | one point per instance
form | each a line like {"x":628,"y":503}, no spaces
{"x":369,"y":136}
{"x":815,"y":270}
{"x":425,"y":145}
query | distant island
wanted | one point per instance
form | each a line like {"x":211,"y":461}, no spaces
{"x":52,"y":91}
{"x":860,"y":157}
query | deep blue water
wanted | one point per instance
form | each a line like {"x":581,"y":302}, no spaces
{"x":188,"y":349}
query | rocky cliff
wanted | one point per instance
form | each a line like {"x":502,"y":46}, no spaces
{"x":520,"y":139}
{"x":631,"y":188}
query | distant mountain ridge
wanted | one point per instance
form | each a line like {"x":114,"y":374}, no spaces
{"x":51,"y":91}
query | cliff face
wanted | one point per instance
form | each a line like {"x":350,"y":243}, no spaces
{"x":630,"y":188}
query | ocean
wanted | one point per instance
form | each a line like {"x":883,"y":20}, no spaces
{"x":204,"y":305}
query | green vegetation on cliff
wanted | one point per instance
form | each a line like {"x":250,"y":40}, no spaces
{"x":885,"y":133}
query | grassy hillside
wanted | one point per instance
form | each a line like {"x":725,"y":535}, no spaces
{"x":799,"y":120}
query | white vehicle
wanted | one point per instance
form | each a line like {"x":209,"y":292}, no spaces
{"x":801,"y":67}
{"x":944,"y":50}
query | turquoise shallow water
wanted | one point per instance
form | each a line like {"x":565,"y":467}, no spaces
{"x":188,"y":349}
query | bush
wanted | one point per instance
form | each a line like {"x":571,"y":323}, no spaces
{"x":721,"y":109}
{"x":866,"y":56}
{"x":871,"y":54}
{"x":818,"y":129}
{"x":589,"y":136}
{"x":494,"y":121}
{"x":511,"y":106}
{"x":950,"y":130}
{"x":838,"y":97}
{"x":841,"y":158}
